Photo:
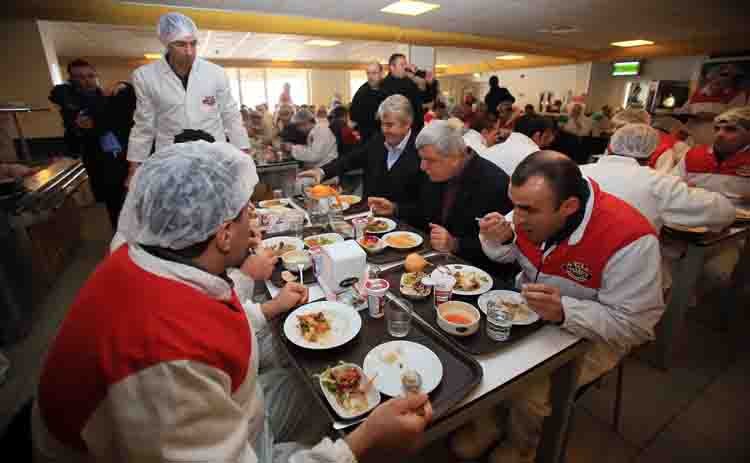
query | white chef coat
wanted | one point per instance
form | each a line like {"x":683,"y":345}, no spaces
{"x":320,"y":148}
{"x":165,"y":108}
{"x":475,"y":141}
{"x":509,"y":154}
{"x":661,"y":198}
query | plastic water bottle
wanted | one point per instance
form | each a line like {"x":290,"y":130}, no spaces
{"x":499,"y":323}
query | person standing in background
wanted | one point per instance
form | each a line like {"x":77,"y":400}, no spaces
{"x":402,"y":81}
{"x":181,"y":91}
{"x":366,"y":102}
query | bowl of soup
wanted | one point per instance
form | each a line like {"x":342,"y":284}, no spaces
{"x":458,"y":318}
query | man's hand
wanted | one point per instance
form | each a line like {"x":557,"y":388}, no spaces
{"x":381,"y":206}
{"x":397,"y":424}
{"x":290,"y":296}
{"x":260,"y":266}
{"x":544,"y":300}
{"x":17,"y":170}
{"x":494,"y":227}
{"x":315,"y":174}
{"x":441,"y":240}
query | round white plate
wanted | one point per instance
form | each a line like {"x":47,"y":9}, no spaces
{"x":405,"y":355}
{"x":417,"y":239}
{"x":510,"y":296}
{"x":485,"y":279}
{"x":350,"y":199}
{"x":272,"y":203}
{"x":332,"y":236}
{"x":298,"y":244}
{"x":391,"y":226}
{"x":345,"y":324}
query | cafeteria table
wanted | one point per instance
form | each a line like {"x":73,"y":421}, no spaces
{"x":686,"y":271}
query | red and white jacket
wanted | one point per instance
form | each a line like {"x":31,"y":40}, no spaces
{"x":608,"y":272}
{"x":730,"y":177}
{"x":668,"y":153}
{"x":155,"y":361}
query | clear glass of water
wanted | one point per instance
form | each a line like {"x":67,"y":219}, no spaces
{"x":398,"y":314}
{"x":499,"y":322}
{"x":296,"y":221}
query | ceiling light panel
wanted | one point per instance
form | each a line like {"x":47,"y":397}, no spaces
{"x":410,"y":8}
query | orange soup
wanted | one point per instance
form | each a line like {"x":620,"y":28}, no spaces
{"x":458,"y":318}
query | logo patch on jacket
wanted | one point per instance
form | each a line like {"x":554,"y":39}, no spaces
{"x":577,"y":271}
{"x":743,"y":171}
{"x":209,"y":100}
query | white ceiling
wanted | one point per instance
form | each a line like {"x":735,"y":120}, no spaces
{"x":600,"y":21}
{"x":86,"y":39}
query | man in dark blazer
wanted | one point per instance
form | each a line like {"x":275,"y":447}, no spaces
{"x":459,"y":187}
{"x":389,"y":159}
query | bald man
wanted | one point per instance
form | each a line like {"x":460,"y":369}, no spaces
{"x":366,"y":102}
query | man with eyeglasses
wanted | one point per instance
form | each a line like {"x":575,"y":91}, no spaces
{"x":181,"y":91}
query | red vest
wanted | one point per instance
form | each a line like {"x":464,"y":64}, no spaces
{"x":613,"y":225}
{"x":666,"y":143}
{"x":702,"y":160}
{"x":125,"y":320}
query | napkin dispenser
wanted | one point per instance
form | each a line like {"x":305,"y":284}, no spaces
{"x":343,"y":265}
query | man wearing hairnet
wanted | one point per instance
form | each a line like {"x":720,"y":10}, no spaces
{"x":181,"y":91}
{"x":157,"y":359}
{"x":321,"y":145}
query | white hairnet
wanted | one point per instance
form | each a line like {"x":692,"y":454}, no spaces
{"x":634,"y":140}
{"x":445,"y":136}
{"x":175,"y":26}
{"x":183,"y":193}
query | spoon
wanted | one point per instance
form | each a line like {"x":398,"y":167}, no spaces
{"x":411,"y":381}
{"x":299,"y":267}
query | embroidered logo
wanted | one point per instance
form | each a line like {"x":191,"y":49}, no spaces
{"x":743,"y":171}
{"x":577,"y":271}
{"x":209,"y":101}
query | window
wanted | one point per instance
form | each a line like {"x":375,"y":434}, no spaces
{"x":356,"y":79}
{"x":296,"y":78}
{"x":253,"y":87}
{"x":234,"y":84}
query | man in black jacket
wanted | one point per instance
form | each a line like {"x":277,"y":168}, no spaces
{"x":401,"y":81}
{"x":460,"y":187}
{"x":389,"y":159}
{"x":497,"y":95}
{"x":367,"y":101}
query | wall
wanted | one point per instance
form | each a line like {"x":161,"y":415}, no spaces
{"x":457,"y":86}
{"x":609,"y":90}
{"x":324,"y":83}
{"x":26,"y":77}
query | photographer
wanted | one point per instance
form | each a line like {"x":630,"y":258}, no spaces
{"x":402,"y":80}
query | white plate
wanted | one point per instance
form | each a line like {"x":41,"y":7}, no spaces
{"x":409,"y":355}
{"x":417,"y":239}
{"x":373,"y":395}
{"x":298,"y":244}
{"x":484,"y":285}
{"x":270,"y":203}
{"x":391,"y":226}
{"x":686,"y":229}
{"x":332,"y":236}
{"x":350,"y":199}
{"x":345,"y":324}
{"x":510,"y":296}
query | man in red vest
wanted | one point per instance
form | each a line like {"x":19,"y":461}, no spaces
{"x":590,"y":264}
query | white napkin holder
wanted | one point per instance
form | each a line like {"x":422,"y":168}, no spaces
{"x":343,"y":265}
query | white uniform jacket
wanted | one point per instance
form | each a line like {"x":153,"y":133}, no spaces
{"x":731,"y":177}
{"x":661,"y":198}
{"x":165,"y":108}
{"x":608,"y":272}
{"x":509,"y":154}
{"x":320,"y":149}
{"x":475,"y":141}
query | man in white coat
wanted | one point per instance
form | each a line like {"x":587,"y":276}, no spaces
{"x":590,"y":263}
{"x":157,"y":359}
{"x":181,"y":91}
{"x":531,"y":133}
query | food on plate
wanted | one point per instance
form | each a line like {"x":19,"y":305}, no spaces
{"x":369,"y":242}
{"x":322,"y":191}
{"x":519,"y":311}
{"x":401,"y":240}
{"x":469,"y":281}
{"x":376,"y":226}
{"x":458,"y":318}
{"x":350,"y":199}
{"x":412,"y":286}
{"x":743,"y":214}
{"x":347,"y":385}
{"x":273,"y":203}
{"x":281,"y":248}
{"x":288,"y":276}
{"x":391,"y":357}
{"x":314,"y":326}
{"x":319,"y":241}
{"x":415,"y":263}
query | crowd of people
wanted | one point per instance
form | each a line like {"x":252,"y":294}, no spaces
{"x":181,"y":363}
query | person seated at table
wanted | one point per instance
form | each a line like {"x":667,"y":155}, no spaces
{"x":531,"y":133}
{"x":459,"y":187}
{"x":590,"y":264}
{"x":258,"y":128}
{"x":157,"y":358}
{"x":389,"y":159}
{"x":320,"y":147}
{"x":723,"y":167}
{"x":577,"y":123}
{"x":482,"y":133}
{"x":346,"y":138}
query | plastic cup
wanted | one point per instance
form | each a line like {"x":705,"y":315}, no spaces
{"x":443,"y":289}
{"x":360,"y":224}
{"x":376,"y":289}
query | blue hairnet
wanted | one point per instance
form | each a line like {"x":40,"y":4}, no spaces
{"x":175,"y":26}
{"x":183,"y":193}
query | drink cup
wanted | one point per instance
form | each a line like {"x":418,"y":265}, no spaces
{"x":443,"y":289}
{"x":376,"y":289}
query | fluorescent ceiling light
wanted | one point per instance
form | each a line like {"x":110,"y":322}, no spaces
{"x":477,"y":75}
{"x":410,"y":8}
{"x":322,"y":43}
{"x":152,"y":55}
{"x":441,"y":66}
{"x":632,"y":43}
{"x":509,"y":57}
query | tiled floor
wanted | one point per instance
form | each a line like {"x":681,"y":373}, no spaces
{"x":698,"y":411}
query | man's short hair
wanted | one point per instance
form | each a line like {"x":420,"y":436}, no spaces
{"x":487,"y":121}
{"x":394,"y":57}
{"x":398,"y":105}
{"x":559,"y":171}
{"x":530,"y":124}
{"x":494,"y":81}
{"x":78,"y":63}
